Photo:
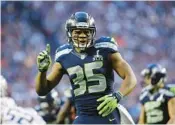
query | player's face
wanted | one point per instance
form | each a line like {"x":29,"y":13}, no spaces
{"x":82,"y":37}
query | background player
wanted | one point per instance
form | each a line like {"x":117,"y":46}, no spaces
{"x":49,"y":106}
{"x":10,"y":113}
{"x":20,"y":115}
{"x":157,"y":100}
{"x":89,"y":64}
{"x":4,"y":99}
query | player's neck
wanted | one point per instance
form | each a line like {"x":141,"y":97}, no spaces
{"x":79,"y":50}
{"x":156,"y":88}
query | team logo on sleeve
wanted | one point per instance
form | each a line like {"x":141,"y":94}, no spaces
{"x":97,"y":57}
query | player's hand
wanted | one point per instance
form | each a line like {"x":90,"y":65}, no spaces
{"x":109,"y":103}
{"x":44,"y":59}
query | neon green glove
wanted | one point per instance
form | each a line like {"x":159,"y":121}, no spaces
{"x":172,"y":89}
{"x":108,"y":105}
{"x":44,"y":59}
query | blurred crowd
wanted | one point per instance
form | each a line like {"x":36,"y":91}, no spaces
{"x":145,"y":32}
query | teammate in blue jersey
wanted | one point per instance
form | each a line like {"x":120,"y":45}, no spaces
{"x":89,"y":63}
{"x":157,"y":98}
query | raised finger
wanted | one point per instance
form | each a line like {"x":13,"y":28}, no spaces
{"x":48,"y":48}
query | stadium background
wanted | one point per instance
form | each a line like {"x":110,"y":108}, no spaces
{"x":145,"y":32}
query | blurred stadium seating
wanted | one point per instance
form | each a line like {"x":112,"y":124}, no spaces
{"x":145,"y":32}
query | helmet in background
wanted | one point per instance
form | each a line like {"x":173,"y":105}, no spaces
{"x":156,"y":72}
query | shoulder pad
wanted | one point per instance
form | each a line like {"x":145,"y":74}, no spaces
{"x":166,"y":91}
{"x":7,"y":101}
{"x":170,"y":85}
{"x":143,"y":95}
{"x":104,"y":39}
{"x":106,"y":42}
{"x":63,"y":50}
{"x":147,"y":88}
{"x":144,"y":92}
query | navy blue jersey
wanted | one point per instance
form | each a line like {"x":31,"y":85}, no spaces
{"x":90,"y":73}
{"x":156,"y":104}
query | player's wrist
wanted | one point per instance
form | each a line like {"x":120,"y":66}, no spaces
{"x":118,"y":95}
{"x":42,"y":70}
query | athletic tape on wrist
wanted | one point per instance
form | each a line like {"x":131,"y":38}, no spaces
{"x":118,"y":95}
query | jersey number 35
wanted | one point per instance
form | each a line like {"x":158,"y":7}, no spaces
{"x":84,"y":75}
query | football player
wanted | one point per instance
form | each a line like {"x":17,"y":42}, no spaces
{"x":19,"y":115}
{"x":145,"y":75}
{"x":49,"y":106}
{"x":4,"y":99}
{"x":89,"y":64}
{"x":10,"y":113}
{"x":157,"y":99}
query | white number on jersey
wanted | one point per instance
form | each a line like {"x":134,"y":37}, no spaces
{"x":18,"y":115}
{"x":90,"y":76}
{"x":153,"y":115}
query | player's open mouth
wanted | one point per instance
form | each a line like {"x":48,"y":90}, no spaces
{"x":83,"y":41}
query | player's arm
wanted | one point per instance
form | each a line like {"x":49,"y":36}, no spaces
{"x":171,"y":111}
{"x":63,"y":111}
{"x":44,"y":85}
{"x":110,"y":102}
{"x":125,"y":72}
{"x":142,"y":116}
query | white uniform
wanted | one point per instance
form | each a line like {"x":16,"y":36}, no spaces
{"x":125,"y":116}
{"x":10,"y":113}
{"x":5,"y":102}
{"x":19,"y":115}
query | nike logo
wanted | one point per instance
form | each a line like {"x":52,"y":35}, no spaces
{"x":111,"y":119}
